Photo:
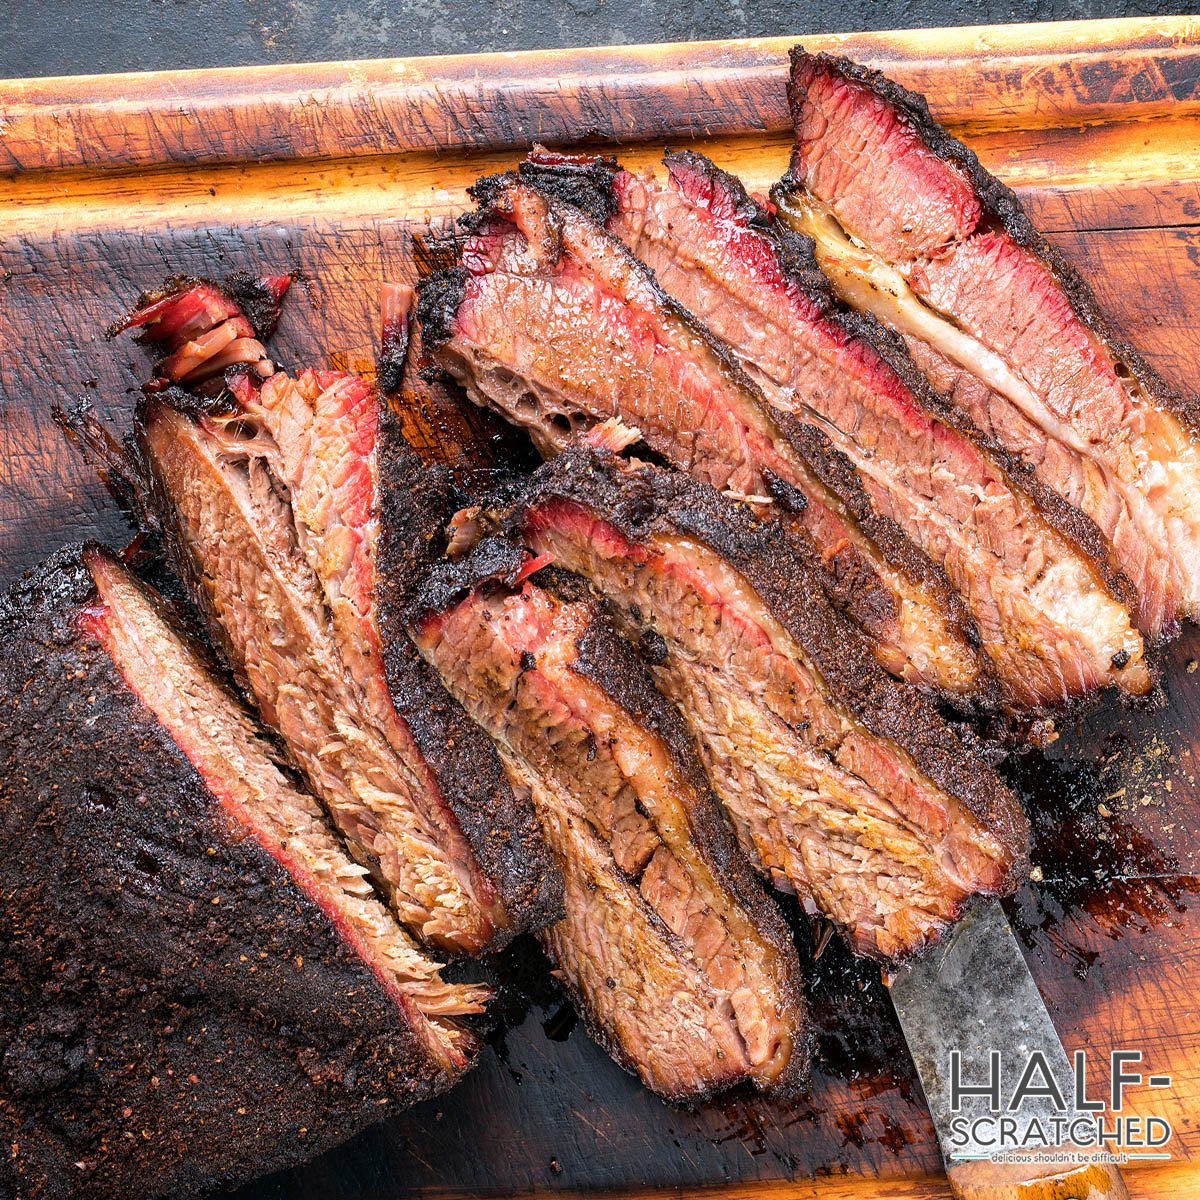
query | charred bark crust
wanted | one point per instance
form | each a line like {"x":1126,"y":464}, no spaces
{"x":159,"y":970}
{"x":416,"y":500}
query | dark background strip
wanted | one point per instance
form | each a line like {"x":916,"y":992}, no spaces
{"x":67,"y":37}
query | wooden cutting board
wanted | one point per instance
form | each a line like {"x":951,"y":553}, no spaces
{"x":109,"y":183}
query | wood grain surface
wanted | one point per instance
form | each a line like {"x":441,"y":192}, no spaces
{"x":109,"y":183}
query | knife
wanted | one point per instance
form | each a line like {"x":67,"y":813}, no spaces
{"x":969,"y":999}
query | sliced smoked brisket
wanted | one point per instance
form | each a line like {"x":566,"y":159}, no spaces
{"x":910,"y":226}
{"x":1045,"y":610}
{"x":843,"y":785}
{"x":678,"y":961}
{"x":197,"y":984}
{"x":551,"y":321}
{"x":300,"y":518}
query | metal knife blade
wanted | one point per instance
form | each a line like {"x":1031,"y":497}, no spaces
{"x":974,"y":995}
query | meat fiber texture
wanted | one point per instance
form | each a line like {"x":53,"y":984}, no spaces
{"x":552,"y":322}
{"x":909,"y":225}
{"x":300,"y":518}
{"x":682,"y":968}
{"x":1050,"y":616}
{"x":191,"y":994}
{"x":842,"y":785}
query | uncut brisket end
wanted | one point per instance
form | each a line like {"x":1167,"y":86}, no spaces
{"x":551,"y":321}
{"x":679,"y":962}
{"x":197,"y":985}
{"x":842,"y":785}
{"x":1046,"y":614}
{"x":301,"y":519}
{"x":945,"y":253}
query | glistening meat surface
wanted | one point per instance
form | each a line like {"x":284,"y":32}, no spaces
{"x":1046,"y":612}
{"x":909,"y":225}
{"x":843,"y":786}
{"x":682,"y":968}
{"x":552,"y":321}
{"x":271,"y":502}
{"x":186,"y":951}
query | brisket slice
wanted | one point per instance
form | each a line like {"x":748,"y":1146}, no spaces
{"x":554,"y":323}
{"x":1048,"y":617}
{"x":679,"y":962}
{"x":301,"y":518}
{"x":197,"y":985}
{"x":945,"y":253}
{"x":843,"y":786}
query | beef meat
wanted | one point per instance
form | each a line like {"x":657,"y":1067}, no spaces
{"x":681,"y":966}
{"x":554,"y":323}
{"x":203,"y":330}
{"x":1044,"y":599}
{"x":301,"y":518}
{"x":910,"y":226}
{"x":843,"y":786}
{"x":197,"y":984}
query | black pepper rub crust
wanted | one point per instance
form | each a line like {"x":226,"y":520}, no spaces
{"x":416,"y":500}
{"x":438,"y":296}
{"x":583,"y":181}
{"x":494,"y":560}
{"x":158,"y":970}
{"x":580,"y":180}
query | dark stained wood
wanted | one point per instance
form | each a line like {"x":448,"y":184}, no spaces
{"x":328,"y":170}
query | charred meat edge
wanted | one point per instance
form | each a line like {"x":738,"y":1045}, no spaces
{"x":680,"y":814}
{"x":919,"y":626}
{"x":500,"y":827}
{"x":663,"y":512}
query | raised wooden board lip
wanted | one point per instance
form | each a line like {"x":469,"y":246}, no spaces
{"x":382,"y":106}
